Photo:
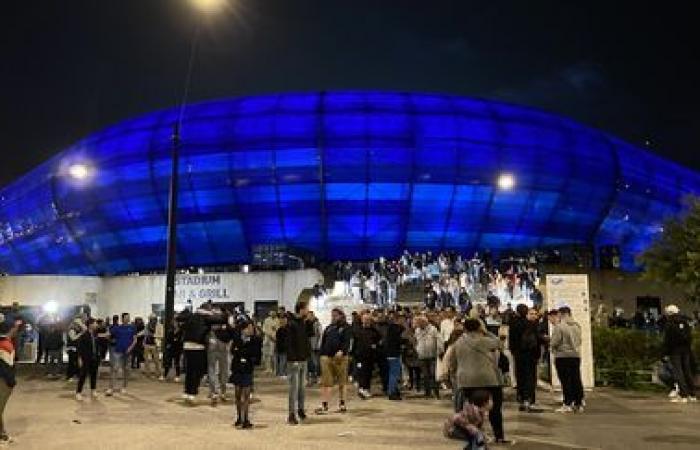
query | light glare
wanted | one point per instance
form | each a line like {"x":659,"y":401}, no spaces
{"x":208,"y":6}
{"x":506,"y":181}
{"x":78,"y":171}
{"x":51,"y":307}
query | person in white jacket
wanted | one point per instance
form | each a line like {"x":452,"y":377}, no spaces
{"x":429,"y":346}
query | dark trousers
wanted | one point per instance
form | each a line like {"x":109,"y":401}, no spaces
{"x":414,"y":377}
{"x":569,"y":372}
{"x":364,"y":373}
{"x":427,"y":371}
{"x":683,"y":374}
{"x":171,"y":359}
{"x":496,"y":413}
{"x":88,"y":368}
{"x":526,"y":377}
{"x":195,"y":368}
{"x":383,"y":367}
{"x":72,"y":369}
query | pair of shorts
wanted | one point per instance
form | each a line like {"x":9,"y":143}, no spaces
{"x":334,"y":370}
{"x":242,"y":379}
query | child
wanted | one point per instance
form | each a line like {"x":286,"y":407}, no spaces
{"x":246,"y":350}
{"x":467,"y":424}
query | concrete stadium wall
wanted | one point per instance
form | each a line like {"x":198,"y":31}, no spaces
{"x":137,"y":294}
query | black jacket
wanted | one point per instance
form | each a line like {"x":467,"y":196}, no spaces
{"x":365,"y":343}
{"x":245,"y":353}
{"x":298,"y":345}
{"x":88,"y":348}
{"x":281,"y":337}
{"x":195,"y":326}
{"x":391,"y":343}
{"x":677,"y":335}
{"x":336,"y":337}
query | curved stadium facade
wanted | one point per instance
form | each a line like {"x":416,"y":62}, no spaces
{"x":343,"y":175}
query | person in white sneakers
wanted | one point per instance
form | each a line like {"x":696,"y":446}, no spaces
{"x":88,"y":359}
{"x":677,"y":345}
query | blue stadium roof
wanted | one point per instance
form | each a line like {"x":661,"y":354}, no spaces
{"x":345,"y":175}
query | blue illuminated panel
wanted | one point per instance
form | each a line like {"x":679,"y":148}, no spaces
{"x":343,"y":175}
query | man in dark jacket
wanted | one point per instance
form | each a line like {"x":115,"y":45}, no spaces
{"x":677,"y":345}
{"x":365,"y":345}
{"x":392,"y":344}
{"x":525,"y":341}
{"x":299,"y":329}
{"x":335,"y":345}
{"x":88,"y":359}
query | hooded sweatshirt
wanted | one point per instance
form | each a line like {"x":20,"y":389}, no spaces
{"x":566,"y":339}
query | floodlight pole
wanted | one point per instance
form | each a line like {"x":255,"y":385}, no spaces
{"x":176,"y":144}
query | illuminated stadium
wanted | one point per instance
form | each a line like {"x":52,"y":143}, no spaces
{"x":341,"y":175}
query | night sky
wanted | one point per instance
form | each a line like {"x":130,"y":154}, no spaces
{"x":70,"y":67}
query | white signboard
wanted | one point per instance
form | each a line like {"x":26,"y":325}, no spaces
{"x":572,"y":291}
{"x":201,"y":288}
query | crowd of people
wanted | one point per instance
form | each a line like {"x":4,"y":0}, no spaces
{"x":447,"y":278}
{"x":467,"y":354}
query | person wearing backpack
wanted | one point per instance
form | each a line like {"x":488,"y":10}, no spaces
{"x":677,"y":345}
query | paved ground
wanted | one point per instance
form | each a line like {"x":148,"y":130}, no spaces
{"x":43,"y":415}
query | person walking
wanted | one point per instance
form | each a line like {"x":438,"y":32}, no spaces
{"x":392,"y":344}
{"x":75,"y":330}
{"x":565,"y":344}
{"x":88,"y":359}
{"x":335,"y":346}
{"x":429,"y":346}
{"x":474,"y":360}
{"x":53,"y":344}
{"x":366,"y":339}
{"x":7,"y":371}
{"x":298,"y":353}
{"x":124,"y":338}
{"x":245,"y":355}
{"x":677,"y":346}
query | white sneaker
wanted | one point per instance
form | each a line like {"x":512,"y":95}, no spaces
{"x":692,"y":399}
{"x":161,"y":378}
{"x":184,"y":396}
{"x":673,"y":394}
{"x":564,"y":409}
{"x":679,"y":400}
{"x":93,"y":394}
{"x":109,"y":392}
{"x":122,"y":391}
{"x":177,"y":379}
{"x":79,"y":397}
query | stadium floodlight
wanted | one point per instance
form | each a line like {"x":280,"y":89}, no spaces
{"x":208,"y":6}
{"x":79,"y":171}
{"x":506,"y":181}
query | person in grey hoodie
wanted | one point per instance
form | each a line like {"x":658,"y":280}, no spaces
{"x":429,"y":346}
{"x":565,"y":344}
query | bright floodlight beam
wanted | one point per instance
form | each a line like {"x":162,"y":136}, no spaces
{"x":506,"y":181}
{"x":79,"y":171}
{"x":51,"y":307}
{"x":208,"y":6}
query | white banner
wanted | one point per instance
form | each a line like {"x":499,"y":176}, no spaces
{"x":572,"y":291}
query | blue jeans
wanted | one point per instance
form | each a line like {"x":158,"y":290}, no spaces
{"x":296,"y":371}
{"x":394,"y":366}
{"x":281,"y":364}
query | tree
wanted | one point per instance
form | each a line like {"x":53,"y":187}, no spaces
{"x":674,"y":257}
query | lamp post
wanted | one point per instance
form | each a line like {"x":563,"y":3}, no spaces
{"x":204,"y":7}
